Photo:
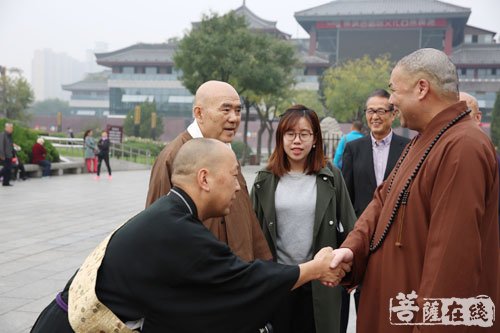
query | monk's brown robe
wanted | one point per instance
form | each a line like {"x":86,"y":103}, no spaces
{"x":449,"y":231}
{"x":240,"y":229}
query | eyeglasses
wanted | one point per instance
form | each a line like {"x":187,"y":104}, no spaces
{"x":380,"y":112}
{"x":304,"y":136}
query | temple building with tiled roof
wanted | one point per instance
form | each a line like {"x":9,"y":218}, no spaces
{"x":347,"y":29}
{"x":259,"y":24}
{"x":350,"y":29}
{"x":478,"y":65}
{"x":339,"y":30}
{"x":145,"y":72}
{"x":90,"y":96}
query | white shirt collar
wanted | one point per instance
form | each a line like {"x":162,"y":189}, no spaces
{"x":195,"y":131}
{"x":385,"y":141}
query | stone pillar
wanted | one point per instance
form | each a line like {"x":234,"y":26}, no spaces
{"x":312,"y":40}
{"x":448,"y":40}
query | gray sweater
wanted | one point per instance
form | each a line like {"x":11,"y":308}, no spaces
{"x":295,"y":201}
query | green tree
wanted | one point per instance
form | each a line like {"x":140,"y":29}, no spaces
{"x":147,"y":109}
{"x":347,"y":86}
{"x":50,"y":106}
{"x":15,"y":94}
{"x":309,"y":98}
{"x":495,"y":122}
{"x":214,"y":50}
{"x":223,"y":48}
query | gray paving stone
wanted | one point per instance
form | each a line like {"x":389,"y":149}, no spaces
{"x":17,"y":321}
{"x":36,"y":305}
{"x":6,"y":256}
{"x":10,"y":303}
{"x":36,"y":289}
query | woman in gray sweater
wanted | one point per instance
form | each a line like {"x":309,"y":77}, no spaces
{"x":303,"y":205}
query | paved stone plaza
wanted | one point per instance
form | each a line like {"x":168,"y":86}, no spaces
{"x":49,"y":226}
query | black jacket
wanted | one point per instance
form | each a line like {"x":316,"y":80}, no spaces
{"x":359,"y":172}
{"x":103,"y":146}
{"x":164,"y":266}
{"x":6,"y":146}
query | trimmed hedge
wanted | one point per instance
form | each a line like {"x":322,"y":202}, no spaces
{"x":239,"y":147}
{"x":155,"y":147}
{"x":26,"y":138}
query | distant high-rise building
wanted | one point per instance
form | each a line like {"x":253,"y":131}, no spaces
{"x":50,"y":70}
{"x":91,"y":65}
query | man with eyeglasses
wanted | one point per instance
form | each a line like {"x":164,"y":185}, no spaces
{"x":367,"y":162}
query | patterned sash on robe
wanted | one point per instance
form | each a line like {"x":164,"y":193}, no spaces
{"x":86,"y":313}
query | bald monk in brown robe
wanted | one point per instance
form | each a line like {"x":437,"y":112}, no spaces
{"x":431,"y":230}
{"x":473,"y":106}
{"x":217,"y":113}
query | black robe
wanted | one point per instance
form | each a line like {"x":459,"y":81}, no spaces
{"x":164,"y":266}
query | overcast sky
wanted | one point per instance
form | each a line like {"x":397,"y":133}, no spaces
{"x":73,"y":26}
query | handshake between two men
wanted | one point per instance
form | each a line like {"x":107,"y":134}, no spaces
{"x":328,"y":266}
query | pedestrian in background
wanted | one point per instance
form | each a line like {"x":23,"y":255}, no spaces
{"x":103,"y":154}
{"x":6,"y":153}
{"x":39,"y":156}
{"x":90,"y":151}
{"x":354,"y":134}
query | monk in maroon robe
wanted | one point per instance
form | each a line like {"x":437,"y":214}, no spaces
{"x":427,"y":245}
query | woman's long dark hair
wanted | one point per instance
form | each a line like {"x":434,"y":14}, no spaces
{"x":86,"y":134}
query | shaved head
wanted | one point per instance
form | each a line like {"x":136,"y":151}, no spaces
{"x":195,"y":155}
{"x":217,"y":110}
{"x":207,"y":170}
{"x":210,"y":91}
{"x":471,"y":101}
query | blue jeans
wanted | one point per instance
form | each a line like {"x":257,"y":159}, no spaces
{"x":45,"y":167}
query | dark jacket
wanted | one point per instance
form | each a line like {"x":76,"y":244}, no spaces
{"x":164,"y":266}
{"x":103,"y":146}
{"x":6,"y":146}
{"x":359,"y":172}
{"x":332,"y":206}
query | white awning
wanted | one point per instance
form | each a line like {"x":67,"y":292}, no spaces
{"x":137,"y":98}
{"x":181,"y":99}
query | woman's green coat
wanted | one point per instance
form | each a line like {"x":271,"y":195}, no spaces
{"x":332,"y":206}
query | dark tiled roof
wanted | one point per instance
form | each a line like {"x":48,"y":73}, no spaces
{"x":302,"y":48}
{"x":476,"y":54}
{"x":346,"y":8}
{"x":316,"y":59}
{"x":93,"y":82}
{"x":154,"y":54}
{"x":253,"y":21}
{"x":477,"y":31}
